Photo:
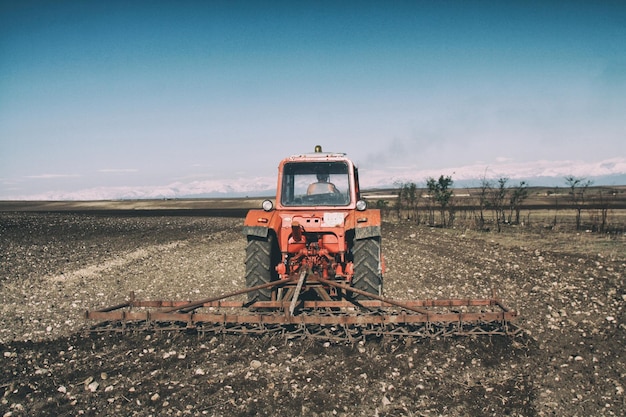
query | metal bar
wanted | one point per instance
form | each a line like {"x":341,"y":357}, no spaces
{"x":316,"y":303}
{"x":115,"y":307}
{"x":195,"y":304}
{"x":296,"y":295}
{"x":374,"y":296}
{"x":323,"y":294}
{"x":345,"y":319}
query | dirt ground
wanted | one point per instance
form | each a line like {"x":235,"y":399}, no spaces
{"x":567,"y":287}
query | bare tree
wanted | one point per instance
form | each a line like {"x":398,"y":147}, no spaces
{"x":407,"y":200}
{"x":555,"y":193}
{"x":603,"y":202}
{"x":518,"y":195}
{"x":412,"y":196}
{"x":578,"y":187}
{"x":498,"y":197}
{"x":483,"y":199}
{"x":399,"y":201}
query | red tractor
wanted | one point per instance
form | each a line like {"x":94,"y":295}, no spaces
{"x":319,"y":228}
{"x":314,"y":269}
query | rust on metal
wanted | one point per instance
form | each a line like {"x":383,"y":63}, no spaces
{"x":326,"y":318}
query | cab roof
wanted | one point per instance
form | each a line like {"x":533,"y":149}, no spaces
{"x":318,"y":154}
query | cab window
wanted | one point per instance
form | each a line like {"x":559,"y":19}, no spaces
{"x":315,"y":184}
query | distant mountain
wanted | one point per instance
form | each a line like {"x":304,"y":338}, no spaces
{"x":537,"y":173}
{"x":606,"y":180}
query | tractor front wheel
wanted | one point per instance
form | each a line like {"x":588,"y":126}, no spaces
{"x":367,"y":267}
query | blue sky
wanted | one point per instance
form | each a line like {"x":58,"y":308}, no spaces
{"x":122,"y":99}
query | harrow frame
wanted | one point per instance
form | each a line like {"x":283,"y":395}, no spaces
{"x":326,"y":318}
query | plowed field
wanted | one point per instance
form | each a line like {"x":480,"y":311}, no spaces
{"x":568,"y":288}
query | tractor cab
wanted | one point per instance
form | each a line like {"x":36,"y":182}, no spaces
{"x":317,"y":179}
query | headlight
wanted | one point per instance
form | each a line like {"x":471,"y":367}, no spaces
{"x":361,"y":205}
{"x":268,"y":205}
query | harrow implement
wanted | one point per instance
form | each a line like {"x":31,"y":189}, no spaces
{"x":297,"y":314}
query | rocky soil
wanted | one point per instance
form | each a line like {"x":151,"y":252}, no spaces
{"x":568,"y":288}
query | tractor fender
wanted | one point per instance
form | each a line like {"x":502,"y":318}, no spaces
{"x":259,"y":222}
{"x":365,"y":223}
{"x":260,"y":231}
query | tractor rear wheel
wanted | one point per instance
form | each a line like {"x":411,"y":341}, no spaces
{"x":261,"y":260}
{"x":367,"y":267}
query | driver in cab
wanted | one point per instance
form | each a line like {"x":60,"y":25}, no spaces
{"x":322,"y":186}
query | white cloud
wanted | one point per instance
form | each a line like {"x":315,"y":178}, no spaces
{"x":172,"y":190}
{"x":51,"y":176}
{"x":118,"y":170}
{"x":370,"y":178}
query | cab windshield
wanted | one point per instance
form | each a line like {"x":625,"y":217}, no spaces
{"x":315,"y":184}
